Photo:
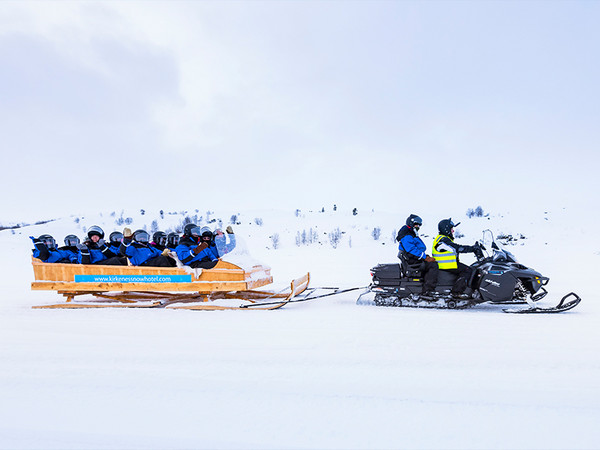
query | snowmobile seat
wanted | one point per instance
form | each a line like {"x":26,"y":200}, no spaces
{"x":410,"y":270}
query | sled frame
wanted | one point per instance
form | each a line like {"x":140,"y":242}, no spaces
{"x":156,"y":299}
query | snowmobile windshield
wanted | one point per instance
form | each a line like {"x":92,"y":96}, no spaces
{"x":503,"y":256}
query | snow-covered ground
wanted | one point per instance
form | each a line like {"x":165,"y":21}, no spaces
{"x":322,"y":374}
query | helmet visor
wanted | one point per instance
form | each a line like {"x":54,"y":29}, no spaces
{"x":71,"y":241}
{"x":141,"y":236}
{"x":50,"y":242}
{"x":116,"y":237}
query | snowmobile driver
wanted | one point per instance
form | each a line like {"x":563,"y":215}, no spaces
{"x":446,"y":251}
{"x":412,"y":249}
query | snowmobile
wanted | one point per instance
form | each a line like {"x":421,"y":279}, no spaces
{"x":497,"y":277}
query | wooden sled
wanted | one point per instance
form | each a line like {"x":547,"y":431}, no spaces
{"x":149,"y":287}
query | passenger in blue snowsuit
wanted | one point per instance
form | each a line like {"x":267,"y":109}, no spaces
{"x":140,"y":253}
{"x":115,"y":238}
{"x":45,"y":249}
{"x":199,"y":248}
{"x":95,"y":251}
{"x":71,"y":248}
{"x":172,"y":241}
{"x":413,"y":250}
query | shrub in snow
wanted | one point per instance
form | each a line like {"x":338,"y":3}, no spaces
{"x":258,"y":221}
{"x":275,"y":241}
{"x":335,"y":237}
{"x":162,"y":214}
{"x":477,"y":212}
{"x":354,"y":212}
{"x":128,"y":221}
{"x":297,"y":213}
{"x":458,"y":234}
{"x":142,"y":211}
{"x":376,"y":233}
{"x":233,"y":219}
{"x":154,"y":226}
{"x":306,"y":237}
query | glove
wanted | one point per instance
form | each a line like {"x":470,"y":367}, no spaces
{"x":166,"y":252}
{"x":229,"y":229}
{"x":200,"y":247}
{"x":80,"y":247}
{"x":101,"y":242}
{"x":127,"y":233}
{"x":429,"y":258}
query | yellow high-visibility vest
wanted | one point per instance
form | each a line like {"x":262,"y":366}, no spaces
{"x":446,"y":259}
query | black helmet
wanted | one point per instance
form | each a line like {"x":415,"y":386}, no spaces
{"x":48,"y":240}
{"x":160,"y":238}
{"x":173,"y":239}
{"x":187,"y":230}
{"x":141,"y":236}
{"x":71,"y":240}
{"x":413,"y":220}
{"x":95,"y":230}
{"x":116,"y":237}
{"x":445,"y":226}
{"x":206,"y":233}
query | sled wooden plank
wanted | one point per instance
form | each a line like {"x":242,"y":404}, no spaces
{"x":223,"y":271}
{"x":202,"y":287}
{"x":97,"y":305}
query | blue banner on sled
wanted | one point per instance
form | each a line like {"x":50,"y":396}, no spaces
{"x":133,"y":278}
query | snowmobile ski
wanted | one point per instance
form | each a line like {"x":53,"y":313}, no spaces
{"x":562,"y":306}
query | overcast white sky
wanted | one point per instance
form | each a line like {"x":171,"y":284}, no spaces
{"x":288,"y":104}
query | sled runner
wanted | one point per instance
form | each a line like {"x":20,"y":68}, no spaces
{"x":138,"y":286}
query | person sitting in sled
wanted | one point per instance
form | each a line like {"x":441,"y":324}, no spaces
{"x":412,"y":248}
{"x":45,"y":249}
{"x":219,"y":240}
{"x":159,"y":241}
{"x":199,"y":248}
{"x":115,"y":238}
{"x":446,"y":251}
{"x":136,"y":246}
{"x":95,"y":251}
{"x":70,"y":247}
{"x":172,"y":240}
